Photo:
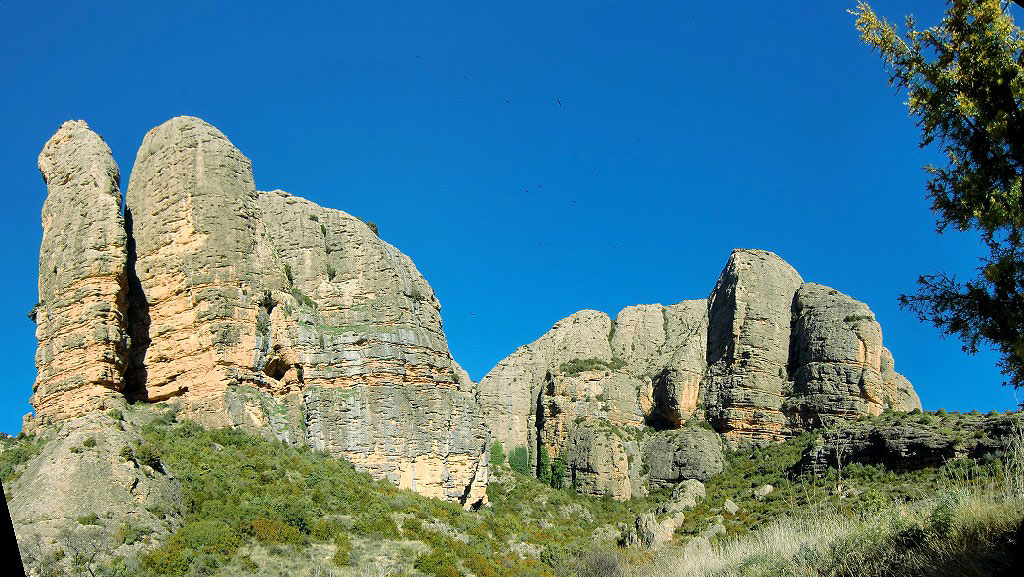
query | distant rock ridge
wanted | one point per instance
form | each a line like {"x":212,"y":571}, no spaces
{"x":252,"y":309}
{"x":764,"y":357}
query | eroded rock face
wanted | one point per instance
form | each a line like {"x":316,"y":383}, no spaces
{"x":762,"y":358}
{"x":192,"y":208}
{"x":255,"y":309}
{"x":82,"y":277}
{"x":508,"y":393}
{"x":837,"y":358}
{"x":748,"y":345}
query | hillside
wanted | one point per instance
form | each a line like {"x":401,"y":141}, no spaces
{"x":239,"y":504}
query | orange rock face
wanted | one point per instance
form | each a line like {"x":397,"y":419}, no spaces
{"x":82,"y":283}
{"x":252,"y":309}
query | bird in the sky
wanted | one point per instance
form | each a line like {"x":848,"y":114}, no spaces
{"x":560,"y":102}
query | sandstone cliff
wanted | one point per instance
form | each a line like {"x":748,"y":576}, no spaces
{"x":253,"y":309}
{"x":82,"y":281}
{"x":763,"y":357}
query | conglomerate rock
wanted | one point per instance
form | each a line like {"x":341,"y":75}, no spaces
{"x":82,"y":276}
{"x":252,"y":309}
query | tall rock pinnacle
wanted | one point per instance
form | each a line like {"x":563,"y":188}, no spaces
{"x":252,"y":309}
{"x":82,"y":281}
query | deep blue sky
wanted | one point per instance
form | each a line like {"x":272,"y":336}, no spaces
{"x":533,"y":158}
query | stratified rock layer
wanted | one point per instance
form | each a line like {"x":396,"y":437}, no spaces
{"x":82,"y":281}
{"x":266,"y":311}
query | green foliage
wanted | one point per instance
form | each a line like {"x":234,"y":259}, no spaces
{"x":147,"y":454}
{"x":519,"y":460}
{"x":544,"y":465}
{"x":373,"y":227}
{"x":965,"y":85}
{"x":302,"y":298}
{"x":857,"y":318}
{"x":438,"y":564}
{"x":90,"y":519}
{"x":416,"y":295}
{"x":497,"y":454}
{"x":115,"y":414}
{"x":331,"y":272}
{"x":288,"y":274}
{"x":89,"y":442}
{"x":378,"y":524}
{"x":15,"y":453}
{"x":558,"y":472}
{"x":314,"y":218}
{"x":129,"y":533}
{"x":342,"y":550}
{"x":576,"y":366}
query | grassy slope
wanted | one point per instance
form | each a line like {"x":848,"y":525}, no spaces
{"x":258,"y":507}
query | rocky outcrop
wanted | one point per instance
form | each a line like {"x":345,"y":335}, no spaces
{"x":82,"y":277}
{"x":840,"y":368}
{"x":902,"y":442}
{"x":675,"y":456}
{"x":252,"y":309}
{"x":82,"y":486}
{"x":748,"y":345}
{"x":509,"y":391}
{"x":762,"y":358}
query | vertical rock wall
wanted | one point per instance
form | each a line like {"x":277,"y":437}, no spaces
{"x":82,"y":281}
{"x":253,"y":309}
{"x":192,"y":206}
{"x":748,"y":345}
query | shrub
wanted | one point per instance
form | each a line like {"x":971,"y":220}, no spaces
{"x":89,"y":442}
{"x":438,"y":564}
{"x":115,"y":414}
{"x":576,"y":366}
{"x":129,"y":533}
{"x":544,"y":465}
{"x":275,"y":531}
{"x":376,"y":524}
{"x":342,"y":550}
{"x":148,"y":455}
{"x":519,"y":460}
{"x":373,"y":227}
{"x":90,"y":519}
{"x":497,"y":454}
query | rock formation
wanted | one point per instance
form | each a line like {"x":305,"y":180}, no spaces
{"x":253,"y":309}
{"x":82,"y":276}
{"x":763,"y":357}
{"x":265,"y":311}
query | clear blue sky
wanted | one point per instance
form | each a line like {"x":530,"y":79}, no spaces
{"x":533,"y":158}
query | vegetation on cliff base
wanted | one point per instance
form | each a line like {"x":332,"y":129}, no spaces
{"x":259,"y":507}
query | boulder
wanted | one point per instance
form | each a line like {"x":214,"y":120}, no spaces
{"x":674,"y":456}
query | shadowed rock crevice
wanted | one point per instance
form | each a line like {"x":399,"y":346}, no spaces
{"x":137,"y":322}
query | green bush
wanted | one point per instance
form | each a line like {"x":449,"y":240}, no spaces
{"x":148,"y":455}
{"x":376,"y":524}
{"x":89,"y":442}
{"x":342,"y":550}
{"x":115,"y":414}
{"x":438,"y":564}
{"x":544,"y":465}
{"x":576,"y":366}
{"x":519,"y":460}
{"x":90,"y":519}
{"x":497,"y":454}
